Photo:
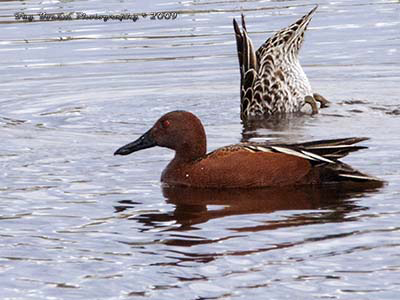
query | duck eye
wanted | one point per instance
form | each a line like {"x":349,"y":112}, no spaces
{"x":165,"y":123}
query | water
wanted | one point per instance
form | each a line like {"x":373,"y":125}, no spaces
{"x":79,"y":223}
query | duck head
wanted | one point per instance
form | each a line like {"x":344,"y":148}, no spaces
{"x":181,"y":131}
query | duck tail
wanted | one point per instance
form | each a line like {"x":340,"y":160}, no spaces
{"x":343,"y":172}
{"x":295,"y":32}
{"x":290,"y":38}
{"x":245,"y":49}
{"x":239,"y":42}
{"x":334,"y":148}
{"x":250,"y":87}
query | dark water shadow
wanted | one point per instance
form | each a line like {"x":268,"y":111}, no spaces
{"x":276,"y":126}
{"x":195,"y":206}
{"x":330,"y":203}
{"x":313,"y":205}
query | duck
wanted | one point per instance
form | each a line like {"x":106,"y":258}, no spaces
{"x":244,"y":165}
{"x":272,"y":80}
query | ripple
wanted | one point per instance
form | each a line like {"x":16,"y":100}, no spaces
{"x":79,"y":223}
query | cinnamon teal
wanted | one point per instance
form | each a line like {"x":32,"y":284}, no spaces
{"x":272,"y":80}
{"x":244,"y":165}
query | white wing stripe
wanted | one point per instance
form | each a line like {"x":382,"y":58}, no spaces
{"x":257,"y":148}
{"x":358,"y":177}
{"x":318,"y":157}
{"x":292,"y":152}
{"x":329,"y":147}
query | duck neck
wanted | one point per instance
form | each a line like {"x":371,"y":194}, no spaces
{"x":192,"y":151}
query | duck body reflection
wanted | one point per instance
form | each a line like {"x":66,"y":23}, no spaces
{"x":200,"y":205}
{"x":329,"y":203}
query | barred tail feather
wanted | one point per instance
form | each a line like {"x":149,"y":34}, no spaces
{"x":298,"y":29}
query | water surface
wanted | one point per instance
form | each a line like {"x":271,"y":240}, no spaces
{"x":78,"y":222}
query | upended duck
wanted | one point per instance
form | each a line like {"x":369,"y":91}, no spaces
{"x":272,"y":80}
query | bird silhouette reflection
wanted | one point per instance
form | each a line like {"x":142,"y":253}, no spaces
{"x":321,"y":204}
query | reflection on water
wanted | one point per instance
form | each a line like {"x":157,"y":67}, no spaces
{"x":196,"y":206}
{"x":276,"y":127}
{"x":307,"y":206}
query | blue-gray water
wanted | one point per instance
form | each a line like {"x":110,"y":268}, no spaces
{"x":78,"y":223}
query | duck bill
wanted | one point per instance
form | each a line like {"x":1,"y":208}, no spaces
{"x":145,"y":141}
